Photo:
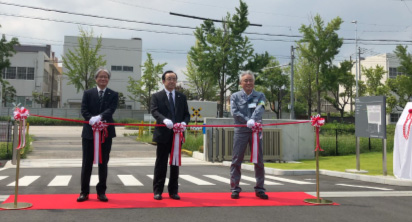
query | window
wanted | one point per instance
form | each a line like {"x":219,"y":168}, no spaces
{"x":21,"y":72}
{"x":116,"y":68}
{"x":25,"y":101}
{"x":11,"y":73}
{"x":395,"y":117}
{"x":128,"y":68}
{"x":30,"y":73}
{"x":393,"y":72}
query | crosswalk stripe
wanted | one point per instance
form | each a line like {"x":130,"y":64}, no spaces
{"x":166,"y":181}
{"x":287,"y":180}
{"x":222,"y":179}
{"x":375,"y":188}
{"x":254,"y":180}
{"x":129,"y":180}
{"x":94,"y":179}
{"x":195,"y":180}
{"x":3,"y":177}
{"x":60,"y":181}
{"x":25,"y":181}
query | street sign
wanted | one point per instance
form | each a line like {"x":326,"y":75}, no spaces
{"x":370,"y":117}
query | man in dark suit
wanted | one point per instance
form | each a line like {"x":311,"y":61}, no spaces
{"x":98,"y":104}
{"x":169,"y":107}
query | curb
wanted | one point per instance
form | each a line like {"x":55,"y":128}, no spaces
{"x":388,"y":180}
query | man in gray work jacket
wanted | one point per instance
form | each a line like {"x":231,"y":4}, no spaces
{"x":247,"y":107}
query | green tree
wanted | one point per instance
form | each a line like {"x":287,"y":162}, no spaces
{"x":122,"y":101}
{"x":39,"y":98}
{"x":84,"y":61}
{"x":401,"y":86}
{"x":274,"y":84}
{"x":6,"y":51}
{"x":143,"y":88}
{"x":374,"y":86}
{"x":323,"y":43}
{"x":222,"y":52}
{"x":8,"y":92}
{"x":202,"y":84}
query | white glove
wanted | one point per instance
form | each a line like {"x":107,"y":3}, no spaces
{"x":250,"y":123}
{"x":168,"y":123}
{"x":184,"y":125}
{"x":94,"y":120}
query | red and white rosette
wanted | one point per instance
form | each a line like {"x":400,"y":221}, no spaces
{"x":99,"y":135}
{"x":178,"y":139}
{"x":407,"y":125}
{"x":317,"y":122}
{"x":21,"y":115}
{"x":256,"y":129}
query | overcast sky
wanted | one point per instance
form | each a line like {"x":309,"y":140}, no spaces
{"x":376,"y":20}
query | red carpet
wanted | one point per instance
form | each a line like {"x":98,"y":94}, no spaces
{"x":145,"y":200}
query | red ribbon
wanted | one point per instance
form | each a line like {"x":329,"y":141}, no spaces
{"x":408,"y":119}
{"x":21,"y":114}
{"x":99,"y":135}
{"x":317,"y":122}
{"x":178,"y":139}
{"x":256,"y":129}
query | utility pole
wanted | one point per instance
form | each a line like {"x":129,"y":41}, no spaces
{"x":292,"y":97}
{"x":356,"y":55}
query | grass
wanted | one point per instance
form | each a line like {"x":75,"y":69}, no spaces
{"x":6,"y":154}
{"x":372,"y":162}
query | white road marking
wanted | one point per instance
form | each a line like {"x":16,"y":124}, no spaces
{"x":287,"y":180}
{"x":254,"y":180}
{"x":375,"y":188}
{"x":3,"y":177}
{"x":94,"y":180}
{"x":60,"y":181}
{"x":166,"y":181}
{"x":222,"y":179}
{"x":25,"y":181}
{"x":129,"y":180}
{"x":364,"y":194}
{"x":195,"y":180}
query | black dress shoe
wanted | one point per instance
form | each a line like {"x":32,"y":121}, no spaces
{"x":235,"y":195}
{"x":102,"y":197}
{"x":83,"y":197}
{"x":262,"y":195}
{"x":174,"y":196}
{"x":157,"y":196}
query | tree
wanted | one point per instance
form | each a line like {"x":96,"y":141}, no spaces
{"x":222,"y":53}
{"x":274,"y":84}
{"x":202,"y":84}
{"x":84,"y":61}
{"x":374,"y":86}
{"x":143,"y":88}
{"x":6,"y":50}
{"x":8,"y":92}
{"x":339,"y":82}
{"x":402,"y":85}
{"x":122,"y":101}
{"x":40,"y":98}
{"x":323,"y":44}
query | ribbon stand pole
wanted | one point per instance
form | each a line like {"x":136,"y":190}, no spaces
{"x":16,"y":205}
{"x":317,"y":122}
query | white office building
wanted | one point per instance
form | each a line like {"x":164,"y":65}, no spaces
{"x":123,"y":58}
{"x":34,"y":69}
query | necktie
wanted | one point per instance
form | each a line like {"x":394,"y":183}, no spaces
{"x":101,"y":95}
{"x":172,"y":107}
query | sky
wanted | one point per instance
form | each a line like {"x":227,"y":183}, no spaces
{"x":376,"y":20}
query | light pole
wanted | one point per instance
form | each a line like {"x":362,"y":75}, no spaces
{"x":292,"y":97}
{"x":356,"y":55}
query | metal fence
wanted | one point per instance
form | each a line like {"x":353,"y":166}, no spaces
{"x":6,"y":136}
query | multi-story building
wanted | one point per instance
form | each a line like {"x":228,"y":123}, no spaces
{"x":123,"y":58}
{"x":34,"y":69}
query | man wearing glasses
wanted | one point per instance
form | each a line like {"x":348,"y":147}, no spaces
{"x":247,"y":107}
{"x":169,"y":107}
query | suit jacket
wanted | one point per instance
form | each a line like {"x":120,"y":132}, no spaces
{"x":239,"y":105}
{"x":160,"y":109}
{"x":91,"y":107}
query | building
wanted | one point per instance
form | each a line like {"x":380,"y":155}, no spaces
{"x":123,"y":58}
{"x":34,"y":69}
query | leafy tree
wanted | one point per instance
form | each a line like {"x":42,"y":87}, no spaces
{"x":6,"y":50}
{"x":402,"y":85}
{"x":122,"y":101}
{"x":8,"y":92}
{"x":374,"y":86}
{"x":222,"y":52}
{"x":84,"y":61}
{"x":201,"y":83}
{"x":143,"y":88}
{"x":322,"y":44}
{"x":274,"y":84}
{"x":39,"y":98}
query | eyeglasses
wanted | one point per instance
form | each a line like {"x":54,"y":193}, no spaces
{"x":102,"y":77}
{"x":248,"y":80}
{"x":171,"y":79}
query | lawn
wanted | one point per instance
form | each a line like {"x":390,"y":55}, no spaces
{"x":371,"y":162}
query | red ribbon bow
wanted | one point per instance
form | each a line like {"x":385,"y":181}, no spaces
{"x":408,"y":119}
{"x":20,"y":113}
{"x":99,"y":135}
{"x":178,"y":139}
{"x":317,"y":122}
{"x":256,"y":129}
